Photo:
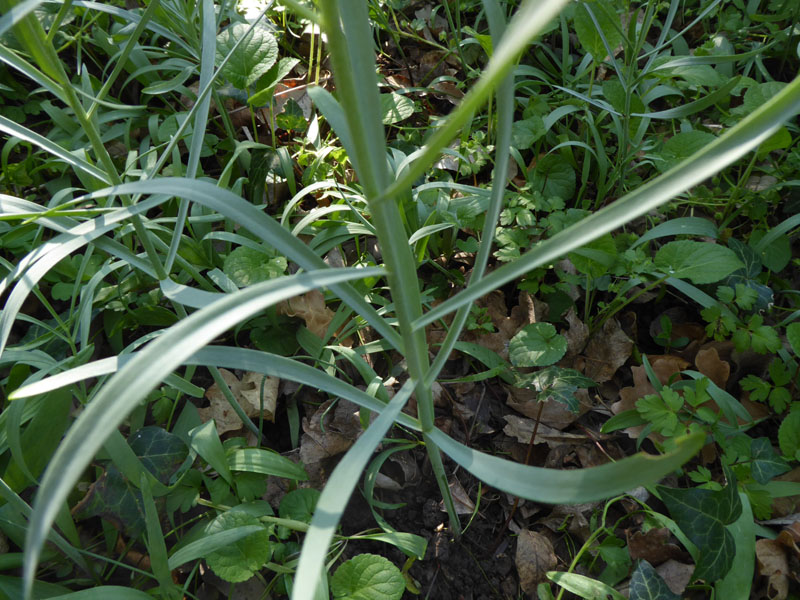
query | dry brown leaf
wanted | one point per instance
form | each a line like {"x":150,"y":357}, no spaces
{"x":652,"y":545}
{"x":773,"y":563}
{"x":629,"y":395}
{"x":554,"y":413}
{"x":607,"y":351}
{"x":676,"y":575}
{"x":712,"y":366}
{"x":577,"y":334}
{"x":311,"y":308}
{"x":248,"y":393}
{"x":535,"y":557}
{"x":320,"y":442}
{"x":461,"y":500}
{"x":521,"y":429}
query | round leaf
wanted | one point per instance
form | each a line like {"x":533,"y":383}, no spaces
{"x":251,"y":59}
{"x":395,"y":108}
{"x":240,"y":560}
{"x":537,"y":345}
{"x":368,"y":577}
{"x":246,"y":266}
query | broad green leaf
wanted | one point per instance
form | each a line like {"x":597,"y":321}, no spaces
{"x":793,"y":335}
{"x":266,"y":462}
{"x":299,"y":504}
{"x":160,"y":451}
{"x":210,"y":543}
{"x":702,"y":515}
{"x":239,"y":560}
{"x":681,"y":146}
{"x":595,"y":258}
{"x":766,"y":462}
{"x":699,"y":262}
{"x":537,"y":345}
{"x":395,"y":108}
{"x":646,"y":584}
{"x":251,"y":59}
{"x":368,"y":577}
{"x":584,"y":586}
{"x":246,"y":266}
{"x":776,"y":254}
{"x":789,"y":434}
{"x":524,"y":133}
{"x":591,"y":34}
{"x":736,"y":585}
{"x":553,"y":486}
{"x":553,"y":176}
{"x":205,"y":441}
{"x":102,"y":593}
{"x":292,"y":117}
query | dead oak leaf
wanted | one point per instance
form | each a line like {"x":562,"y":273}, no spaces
{"x":534,"y":558}
{"x":311,"y":308}
{"x":607,"y":351}
{"x":256,"y":393}
{"x":652,"y":545}
{"x":773,"y":563}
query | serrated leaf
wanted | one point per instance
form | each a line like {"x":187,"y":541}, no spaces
{"x":537,"y":345}
{"x":702,"y":515}
{"x":240,"y":560}
{"x":368,"y":577}
{"x":699,"y":262}
{"x":299,"y":504}
{"x":246,"y":266}
{"x":766,"y":462}
{"x":646,"y":584}
{"x":681,"y":146}
{"x":588,"y":34}
{"x":252,"y":59}
{"x":395,"y":108}
{"x":553,"y":176}
{"x":789,"y":434}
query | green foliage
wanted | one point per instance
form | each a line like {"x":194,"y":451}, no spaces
{"x":367,"y":577}
{"x":240,"y":560}
{"x":536,"y":345}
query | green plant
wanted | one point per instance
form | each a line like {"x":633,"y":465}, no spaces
{"x":359,"y":127}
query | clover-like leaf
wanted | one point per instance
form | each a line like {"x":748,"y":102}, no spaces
{"x":699,"y":262}
{"x":766,"y":462}
{"x":251,"y":59}
{"x":537,"y":345}
{"x":702,"y":515}
{"x":240,"y":560}
{"x":646,"y":584}
{"x":368,"y":577}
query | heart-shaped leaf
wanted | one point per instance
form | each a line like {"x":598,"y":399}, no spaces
{"x":537,"y":345}
{"x":368,"y":577}
{"x":699,"y":262}
{"x":251,"y":59}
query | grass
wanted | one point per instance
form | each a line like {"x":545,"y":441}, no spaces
{"x":137,"y":260}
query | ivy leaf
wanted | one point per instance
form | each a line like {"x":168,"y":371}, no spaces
{"x":368,"y":577}
{"x":252,"y":59}
{"x":246,"y":266}
{"x":766,"y":462}
{"x":702,"y":515}
{"x":558,"y":384}
{"x":646,"y":584}
{"x":699,"y":262}
{"x":537,"y":345}
{"x":240,"y":560}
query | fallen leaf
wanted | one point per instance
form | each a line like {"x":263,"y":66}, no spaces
{"x":607,"y":351}
{"x":535,"y":557}
{"x":676,"y":575}
{"x":709,"y":364}
{"x":554,"y":413}
{"x":577,"y":334}
{"x":773,"y":563}
{"x":256,"y":393}
{"x":328,"y":433}
{"x":463,"y":503}
{"x":521,"y":429}
{"x":652,"y":545}
{"x":311,"y":308}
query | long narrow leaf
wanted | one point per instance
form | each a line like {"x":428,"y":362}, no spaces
{"x":569,"y":486}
